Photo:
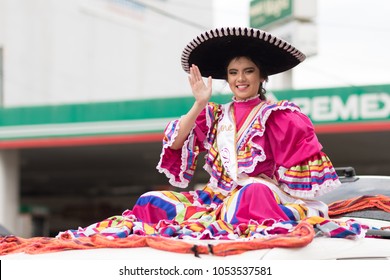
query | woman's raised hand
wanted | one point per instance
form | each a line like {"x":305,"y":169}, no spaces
{"x":202,"y":94}
{"x":200,"y":90}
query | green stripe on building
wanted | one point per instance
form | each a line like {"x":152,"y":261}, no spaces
{"x":324,"y":106}
{"x":97,"y":112}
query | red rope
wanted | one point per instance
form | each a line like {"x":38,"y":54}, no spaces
{"x":299,"y":237}
{"x":359,"y":203}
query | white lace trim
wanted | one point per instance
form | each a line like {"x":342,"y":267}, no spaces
{"x":256,"y":159}
{"x":317,"y":189}
{"x":183,"y":183}
{"x":244,"y":100}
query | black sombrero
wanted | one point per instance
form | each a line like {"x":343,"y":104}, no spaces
{"x":212,"y":50}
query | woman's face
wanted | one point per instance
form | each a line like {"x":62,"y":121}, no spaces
{"x":243,"y":77}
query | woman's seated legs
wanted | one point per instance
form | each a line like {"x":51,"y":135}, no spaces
{"x":252,"y":202}
{"x":154,"y":206}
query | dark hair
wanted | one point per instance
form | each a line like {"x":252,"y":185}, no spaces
{"x":263,"y":73}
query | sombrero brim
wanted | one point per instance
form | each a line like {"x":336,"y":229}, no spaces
{"x":212,"y":50}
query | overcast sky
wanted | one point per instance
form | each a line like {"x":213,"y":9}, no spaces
{"x":353,"y":44}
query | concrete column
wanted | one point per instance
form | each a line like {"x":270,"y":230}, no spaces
{"x":9,"y":190}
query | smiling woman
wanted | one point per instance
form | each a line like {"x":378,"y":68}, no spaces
{"x":245,"y":78}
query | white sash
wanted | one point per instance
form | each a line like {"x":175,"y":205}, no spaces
{"x":227,"y":142}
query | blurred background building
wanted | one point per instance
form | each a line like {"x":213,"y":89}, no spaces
{"x":87,"y":87}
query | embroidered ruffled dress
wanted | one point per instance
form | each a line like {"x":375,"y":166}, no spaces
{"x":264,"y":160}
{"x":266,"y":170}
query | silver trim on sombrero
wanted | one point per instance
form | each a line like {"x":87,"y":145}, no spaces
{"x":239,"y":31}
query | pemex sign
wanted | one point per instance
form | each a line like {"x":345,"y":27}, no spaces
{"x":348,"y":108}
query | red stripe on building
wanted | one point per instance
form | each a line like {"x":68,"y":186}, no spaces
{"x":80,"y":141}
{"x":353,"y":127}
{"x":157,"y":137}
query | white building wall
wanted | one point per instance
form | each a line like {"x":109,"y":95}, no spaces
{"x":73,"y":51}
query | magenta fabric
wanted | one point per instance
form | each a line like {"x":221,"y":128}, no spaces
{"x":150,"y":213}
{"x":256,"y":202}
{"x":291,"y":138}
{"x":242,"y":109}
